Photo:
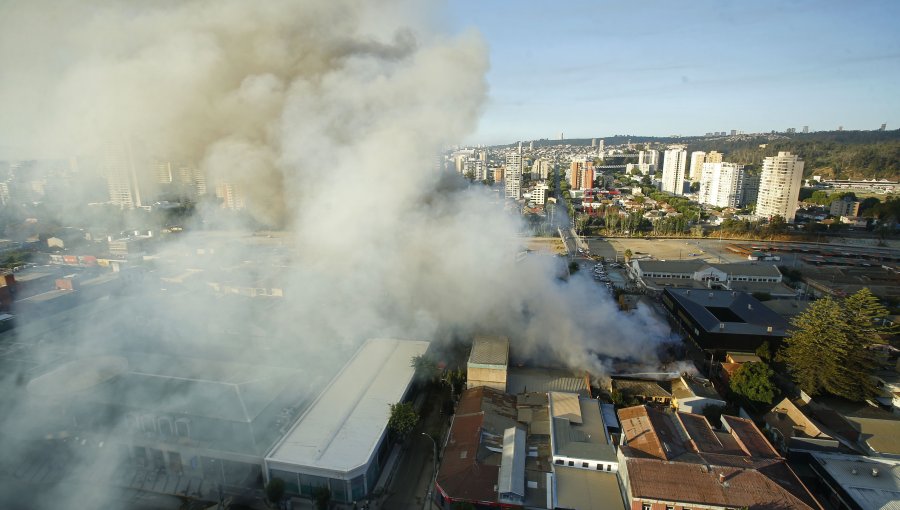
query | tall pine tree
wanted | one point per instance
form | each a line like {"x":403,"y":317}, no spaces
{"x":810,"y":351}
{"x":829,"y":347}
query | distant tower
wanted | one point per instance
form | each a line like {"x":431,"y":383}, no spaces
{"x":562,"y":136}
{"x":674,"y":162}
{"x":593,"y":142}
{"x":117,"y":164}
{"x":806,"y":129}
{"x":697,"y":160}
{"x":163,"y":172}
{"x":512,"y":178}
{"x":840,"y":128}
{"x":779,"y":186}
{"x":883,"y":127}
{"x":531,"y":145}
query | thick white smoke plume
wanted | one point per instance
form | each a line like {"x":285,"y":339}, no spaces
{"x":328,"y":115}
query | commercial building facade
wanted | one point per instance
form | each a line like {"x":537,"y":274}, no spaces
{"x":340,"y":441}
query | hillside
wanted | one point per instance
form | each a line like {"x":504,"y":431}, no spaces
{"x":831,"y":154}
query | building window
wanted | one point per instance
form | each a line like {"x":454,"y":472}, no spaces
{"x":584,"y":464}
{"x":599,"y":467}
{"x":560,"y":462}
{"x":645,"y":506}
{"x":572,"y":463}
{"x":182,"y":428}
{"x":609,"y":467}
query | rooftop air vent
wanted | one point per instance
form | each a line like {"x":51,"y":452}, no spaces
{"x":875,"y":472}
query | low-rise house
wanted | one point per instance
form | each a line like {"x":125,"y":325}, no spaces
{"x":693,"y":394}
{"x":642,"y":390}
{"x":793,"y":431}
{"x":672,"y":460}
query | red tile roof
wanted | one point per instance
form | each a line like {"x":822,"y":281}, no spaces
{"x":699,"y":484}
{"x":678,"y":457}
{"x":463,"y":474}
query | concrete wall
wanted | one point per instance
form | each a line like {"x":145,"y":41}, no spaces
{"x":490,"y":377}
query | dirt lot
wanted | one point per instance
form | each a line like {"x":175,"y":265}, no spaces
{"x":551,"y":245}
{"x":665,"y":249}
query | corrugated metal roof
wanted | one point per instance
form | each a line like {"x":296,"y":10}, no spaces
{"x":512,"y":465}
{"x":522,"y":380}
{"x":490,"y":350}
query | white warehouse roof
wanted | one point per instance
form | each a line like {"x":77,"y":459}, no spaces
{"x":341,"y":429}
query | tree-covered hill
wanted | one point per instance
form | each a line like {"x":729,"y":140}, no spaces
{"x":831,"y":154}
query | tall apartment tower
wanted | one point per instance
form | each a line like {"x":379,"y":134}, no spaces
{"x":713,"y":157}
{"x":697,"y":160}
{"x":581,"y":174}
{"x":118,"y":165}
{"x":722,"y":184}
{"x":512,"y":178}
{"x":779,"y":186}
{"x":674,"y":161}
{"x":231,"y":196}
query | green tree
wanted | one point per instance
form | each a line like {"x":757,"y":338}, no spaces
{"x":275,"y":490}
{"x":426,"y":368}
{"x":753,"y":381}
{"x":862,"y":314}
{"x":828,"y":347}
{"x":628,"y":254}
{"x":403,"y":418}
{"x":764,"y":351}
{"x":322,"y":497}
{"x":811,"y":349}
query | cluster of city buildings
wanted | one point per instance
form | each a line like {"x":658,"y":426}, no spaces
{"x":552,"y":445}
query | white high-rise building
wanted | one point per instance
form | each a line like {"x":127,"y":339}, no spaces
{"x":674,"y":162}
{"x":722,"y":184}
{"x":512,"y":176}
{"x":697,"y":160}
{"x":539,"y":194}
{"x":119,"y":166}
{"x":779,"y":186}
{"x":648,"y":161}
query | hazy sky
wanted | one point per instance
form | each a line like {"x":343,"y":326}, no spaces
{"x":590,"y":68}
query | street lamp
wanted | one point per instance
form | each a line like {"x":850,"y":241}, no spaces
{"x":434,"y":469}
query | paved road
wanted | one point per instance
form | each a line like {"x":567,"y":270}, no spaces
{"x":413,"y":476}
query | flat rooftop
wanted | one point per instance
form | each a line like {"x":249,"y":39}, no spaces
{"x":587,"y":490}
{"x":341,"y":429}
{"x":489,"y":351}
{"x":854,"y":474}
{"x":577,"y":428}
{"x":729,"y":312}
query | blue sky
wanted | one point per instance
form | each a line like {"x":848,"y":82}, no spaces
{"x":590,"y":68}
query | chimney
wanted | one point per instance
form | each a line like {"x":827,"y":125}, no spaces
{"x":875,"y":472}
{"x":749,"y":306}
{"x":721,"y":325}
{"x":722,"y":478}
